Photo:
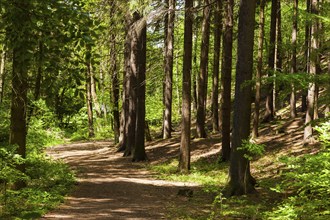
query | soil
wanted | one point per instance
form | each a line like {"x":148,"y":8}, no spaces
{"x":110,"y":186}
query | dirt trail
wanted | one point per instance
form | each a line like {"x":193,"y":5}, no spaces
{"x":111,"y":187}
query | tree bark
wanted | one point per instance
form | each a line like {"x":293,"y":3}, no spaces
{"x":184,"y":158}
{"x":226,"y":80}
{"x":169,"y":40}
{"x":255,"y":130}
{"x":195,"y":66}
{"x":216,"y":63}
{"x":94,"y":94}
{"x":124,"y":116}
{"x":307,"y":56}
{"x":203,"y":74}
{"x":269,"y":113}
{"x":18,"y":108}
{"x":2,"y":72}
{"x":115,"y":89}
{"x":278,"y":58}
{"x":21,"y":46}
{"x":89,"y":101}
{"x":293,"y":110}
{"x":139,"y":153}
{"x":314,"y":62}
{"x":241,"y":181}
{"x":37,"y":85}
{"x":131,"y":71}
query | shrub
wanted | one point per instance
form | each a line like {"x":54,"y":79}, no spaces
{"x":309,"y":177}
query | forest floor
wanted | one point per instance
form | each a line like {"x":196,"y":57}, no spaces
{"x":110,"y":186}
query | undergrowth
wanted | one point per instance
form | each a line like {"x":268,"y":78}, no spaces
{"x":301,"y":191}
{"x":47,"y":181}
{"x":308,"y":177}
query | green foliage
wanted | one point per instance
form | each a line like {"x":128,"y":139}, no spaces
{"x":8,"y":162}
{"x":48,"y":181}
{"x":43,"y":130}
{"x":252,"y":150}
{"x":309,"y":177}
{"x":4,"y":123}
{"x":324,"y":133}
{"x":78,"y":127}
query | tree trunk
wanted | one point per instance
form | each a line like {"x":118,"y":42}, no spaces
{"x":293,"y":110}
{"x":177,"y":83}
{"x":226,"y":80}
{"x":131,"y":71}
{"x":139,"y":153}
{"x":94,"y":95}
{"x":2,"y":72}
{"x":278,"y":58}
{"x":19,"y":108}
{"x":37,"y":85}
{"x":314,"y":62}
{"x":21,"y":47}
{"x":203,"y":75}
{"x":115,"y":89}
{"x":184,"y":159}
{"x":195,"y":66}
{"x":124,"y":116}
{"x":255,"y":132}
{"x":241,"y":181}
{"x":307,"y":56}
{"x":216,"y":63}
{"x":89,"y":95}
{"x":269,"y":113}
{"x":316,"y":99}
{"x":169,"y":39}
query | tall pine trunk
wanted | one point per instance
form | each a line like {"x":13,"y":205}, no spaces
{"x":19,"y":19}
{"x":216,"y":64}
{"x":37,"y":84}
{"x":278,"y":58}
{"x":241,"y":181}
{"x":226,"y":80}
{"x":124,"y":116}
{"x":184,"y":158}
{"x":139,"y":153}
{"x":314,"y":62}
{"x":269,"y":113}
{"x":18,"y":108}
{"x":115,"y":89}
{"x":89,"y":100}
{"x":2,"y":72}
{"x":169,"y":40}
{"x":131,"y":71}
{"x":293,"y":110}
{"x":94,"y":94}
{"x":255,"y":132}
{"x":203,"y":75}
{"x":307,"y":56}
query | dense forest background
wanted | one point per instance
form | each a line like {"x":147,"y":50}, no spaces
{"x":139,"y":70}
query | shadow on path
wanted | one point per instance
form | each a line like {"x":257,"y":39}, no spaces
{"x":111,"y":186}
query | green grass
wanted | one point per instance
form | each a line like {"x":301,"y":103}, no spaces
{"x":210,"y":175}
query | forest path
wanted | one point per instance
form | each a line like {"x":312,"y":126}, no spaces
{"x":112,"y":187}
